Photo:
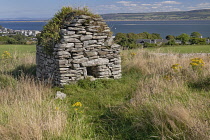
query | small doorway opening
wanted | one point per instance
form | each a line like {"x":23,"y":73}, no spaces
{"x":92,"y":71}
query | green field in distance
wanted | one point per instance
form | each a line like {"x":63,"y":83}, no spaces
{"x":18,"y":48}
{"x":182,"y":49}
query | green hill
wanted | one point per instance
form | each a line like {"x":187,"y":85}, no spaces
{"x":203,"y":14}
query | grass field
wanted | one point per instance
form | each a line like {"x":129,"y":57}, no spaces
{"x":183,"y":49}
{"x":157,"y":98}
{"x":18,"y":48}
{"x":173,"y":49}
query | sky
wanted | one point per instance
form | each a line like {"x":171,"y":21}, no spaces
{"x":47,"y":8}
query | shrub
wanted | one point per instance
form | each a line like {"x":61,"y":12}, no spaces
{"x":147,"y":45}
{"x":184,"y":38}
{"x":200,"y":41}
{"x":13,"y":39}
{"x":171,"y":42}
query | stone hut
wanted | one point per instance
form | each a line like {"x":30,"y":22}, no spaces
{"x":85,"y":49}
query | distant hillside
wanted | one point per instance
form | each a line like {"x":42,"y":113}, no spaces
{"x":203,"y":14}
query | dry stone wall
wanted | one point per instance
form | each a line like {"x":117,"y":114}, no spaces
{"x":86,"y":49}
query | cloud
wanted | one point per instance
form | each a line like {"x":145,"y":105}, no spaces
{"x":200,"y":6}
{"x":170,"y":2}
{"x":146,"y":4}
{"x":106,"y":9}
{"x":127,"y":3}
{"x":124,"y":6}
{"x":124,"y":2}
{"x":204,"y":5}
{"x":157,"y":4}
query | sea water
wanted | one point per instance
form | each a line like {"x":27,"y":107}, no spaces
{"x":163,"y":28}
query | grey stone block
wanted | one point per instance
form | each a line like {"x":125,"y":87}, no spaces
{"x":75,"y":36}
{"x":81,"y":32}
{"x":92,"y":53}
{"x":75,"y":24}
{"x":72,"y":40}
{"x":69,"y":45}
{"x":76,"y":28}
{"x":92,"y":42}
{"x":84,"y":17}
{"x":70,"y":32}
{"x":99,"y":37}
{"x":100,"y":61}
{"x":86,"y":37}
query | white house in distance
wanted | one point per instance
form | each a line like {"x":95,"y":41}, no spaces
{"x":6,"y":31}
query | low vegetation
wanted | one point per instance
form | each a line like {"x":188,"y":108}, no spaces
{"x":158,"y":97}
{"x":16,"y":39}
{"x":130,"y":40}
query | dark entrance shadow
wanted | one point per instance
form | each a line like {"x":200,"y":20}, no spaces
{"x":26,"y":70}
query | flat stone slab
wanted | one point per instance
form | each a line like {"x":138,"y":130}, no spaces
{"x":95,"y":62}
{"x":86,"y":37}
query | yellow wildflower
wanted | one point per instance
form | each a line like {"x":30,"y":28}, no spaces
{"x":6,"y":55}
{"x":133,"y":54}
{"x":194,"y":64}
{"x":176,"y":67}
{"x":77,"y":104}
{"x":57,"y":108}
{"x":197,"y":63}
{"x":168,"y":77}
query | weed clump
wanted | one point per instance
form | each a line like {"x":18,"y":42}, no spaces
{"x":6,"y":55}
{"x":197,"y":63}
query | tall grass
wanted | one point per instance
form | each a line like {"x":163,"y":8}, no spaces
{"x":25,"y":112}
{"x":166,"y":106}
{"x":151,"y":101}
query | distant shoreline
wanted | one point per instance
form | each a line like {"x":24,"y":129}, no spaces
{"x":24,"y":21}
{"x":163,"y":20}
